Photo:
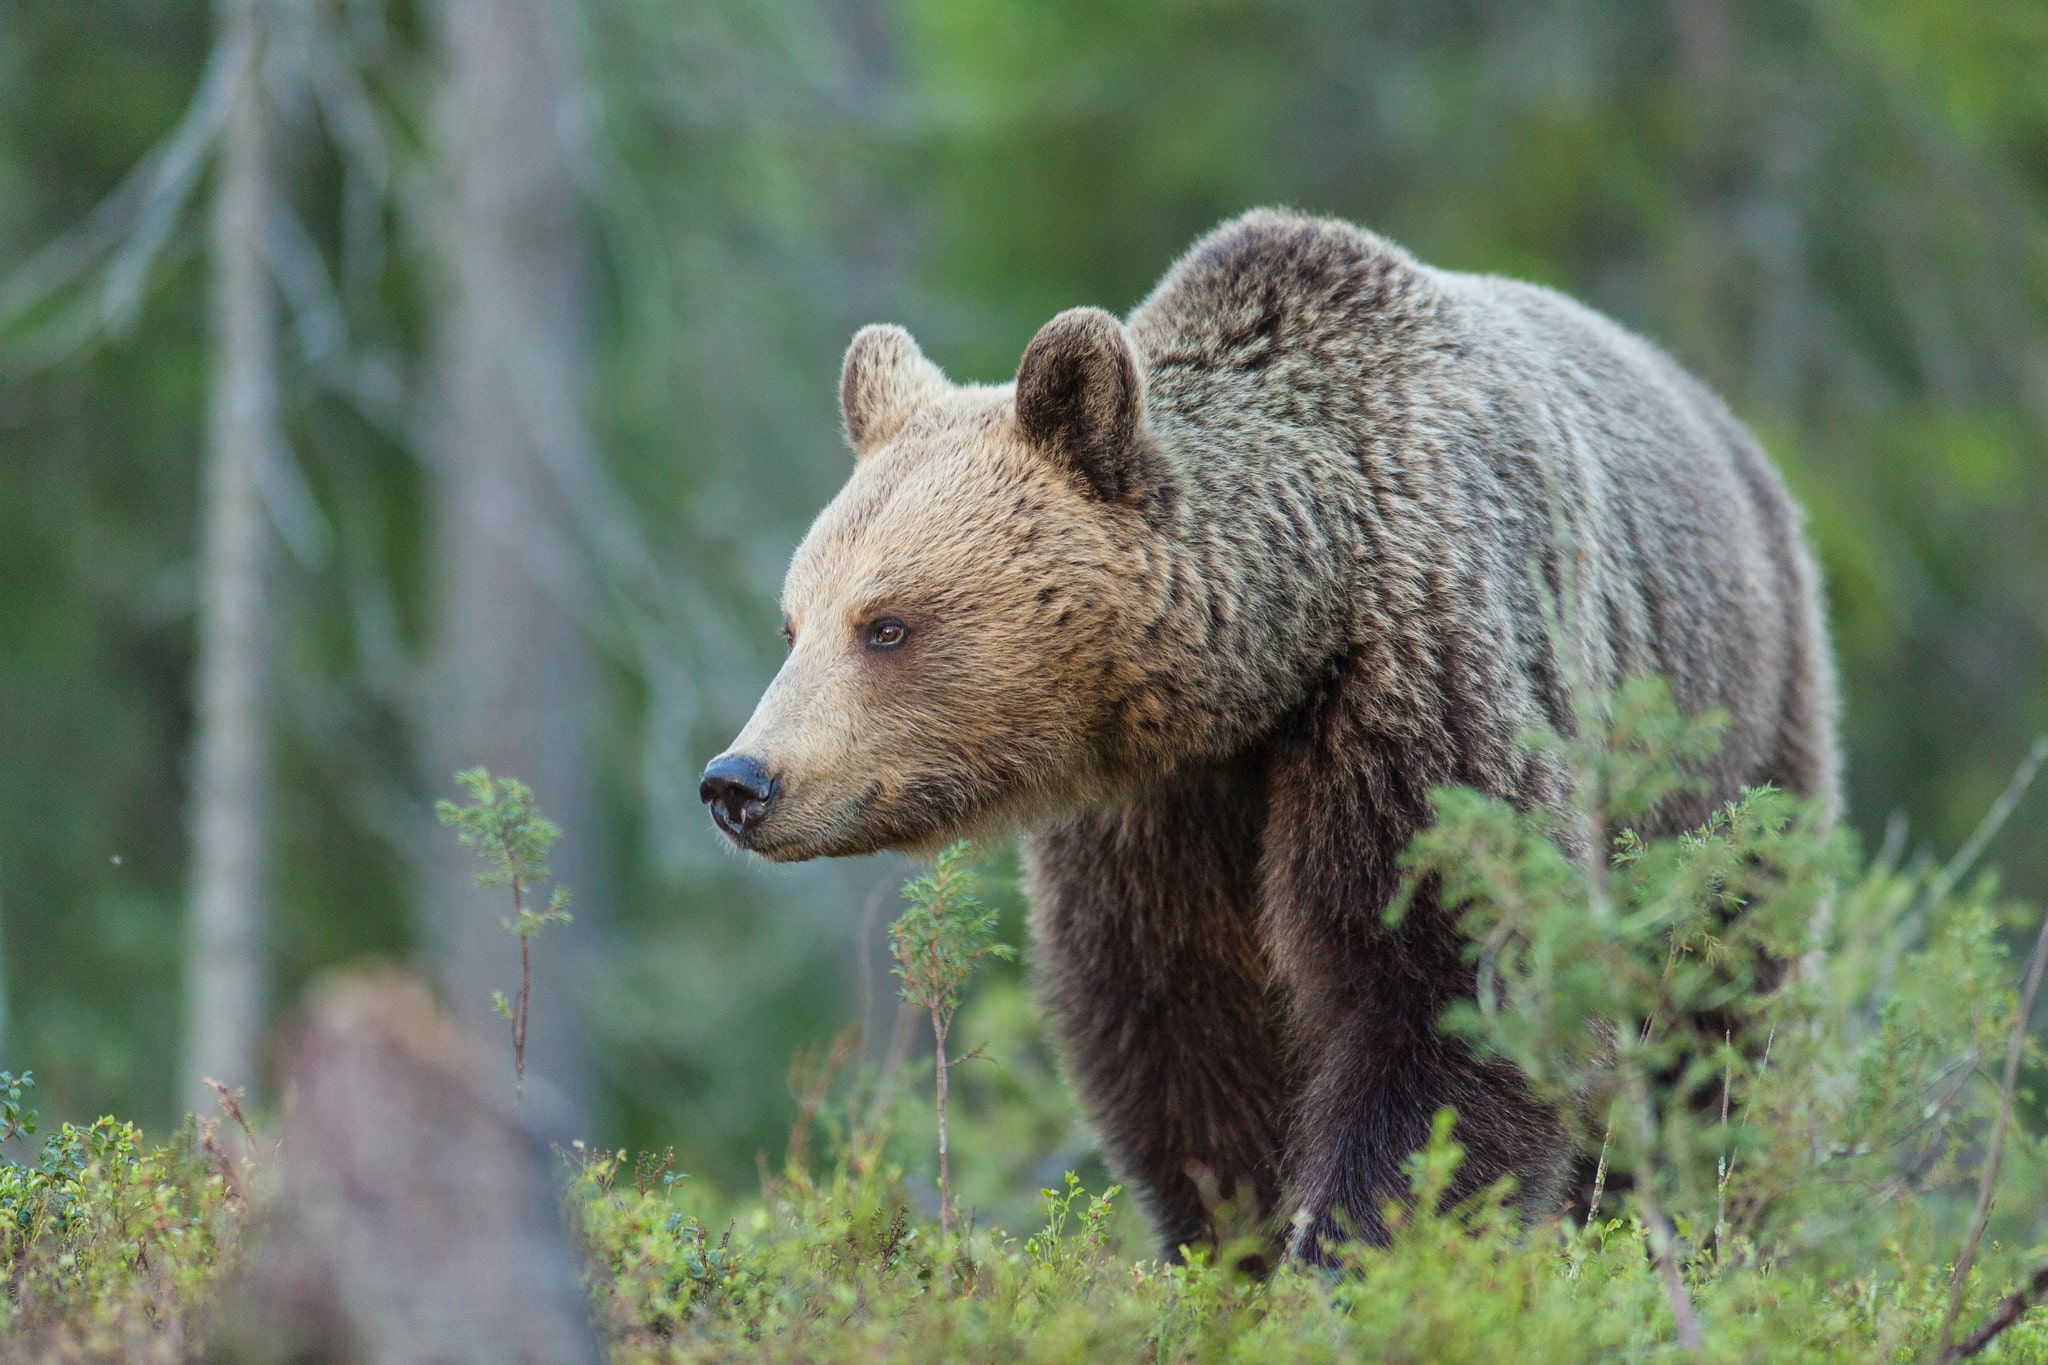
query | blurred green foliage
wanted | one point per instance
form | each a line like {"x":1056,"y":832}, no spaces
{"x":1836,"y":212}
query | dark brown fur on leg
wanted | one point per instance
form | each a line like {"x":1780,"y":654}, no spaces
{"x":1364,"y":997}
{"x":1150,"y":964}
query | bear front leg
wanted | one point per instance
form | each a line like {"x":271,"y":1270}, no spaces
{"x":1150,"y":964}
{"x":1363,"y":997}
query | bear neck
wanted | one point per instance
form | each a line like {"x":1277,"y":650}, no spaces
{"x":1243,"y":601}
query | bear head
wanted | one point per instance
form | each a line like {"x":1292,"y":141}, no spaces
{"x":959,"y":617}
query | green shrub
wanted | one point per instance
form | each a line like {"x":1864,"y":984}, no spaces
{"x":1791,"y":1060}
{"x":109,"y":1245}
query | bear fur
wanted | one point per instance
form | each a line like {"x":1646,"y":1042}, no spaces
{"x":1206,"y":602}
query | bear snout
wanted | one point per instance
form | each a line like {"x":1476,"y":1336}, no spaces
{"x":738,"y":790}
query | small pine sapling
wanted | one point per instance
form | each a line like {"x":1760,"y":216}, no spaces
{"x":1666,"y":948}
{"x":936,"y":943}
{"x":511,"y":838}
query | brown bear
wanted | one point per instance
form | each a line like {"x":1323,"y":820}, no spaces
{"x":1206,"y":602}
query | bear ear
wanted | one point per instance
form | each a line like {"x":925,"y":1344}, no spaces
{"x":883,"y":383}
{"x":1081,"y":399}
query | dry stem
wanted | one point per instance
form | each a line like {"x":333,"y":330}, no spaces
{"x":525,"y":986}
{"x":1599,"y":1176}
{"x":2005,"y":1315}
{"x":939,"y":1031}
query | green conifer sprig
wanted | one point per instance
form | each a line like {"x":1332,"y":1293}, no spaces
{"x":511,"y":838}
{"x":936,"y":943}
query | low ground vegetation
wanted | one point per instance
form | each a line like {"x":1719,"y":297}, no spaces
{"x":1810,"y":1084}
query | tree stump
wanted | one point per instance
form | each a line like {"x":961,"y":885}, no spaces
{"x":411,"y":1216}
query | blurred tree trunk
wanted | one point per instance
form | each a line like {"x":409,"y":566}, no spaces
{"x":225,"y":963}
{"x":411,"y":1213}
{"x":514,"y":682}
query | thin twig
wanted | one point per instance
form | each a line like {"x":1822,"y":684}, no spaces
{"x":810,"y":1084}
{"x":1607,"y":1139}
{"x":525,"y":989}
{"x":1599,"y":1176}
{"x":1724,"y":1166}
{"x":231,"y":1105}
{"x":902,"y":1037}
{"x":940,"y":1027}
{"x":1741,"y":1126}
{"x":1987,"y":1181}
{"x":1956,"y":868}
{"x":134,"y":220}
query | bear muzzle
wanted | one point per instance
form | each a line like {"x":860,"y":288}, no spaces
{"x":738,"y":790}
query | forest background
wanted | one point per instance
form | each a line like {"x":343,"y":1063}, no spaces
{"x":389,"y":387}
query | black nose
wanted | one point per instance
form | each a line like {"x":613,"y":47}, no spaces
{"x":738,"y":791}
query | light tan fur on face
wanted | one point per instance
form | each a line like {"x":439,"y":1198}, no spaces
{"x":996,"y":560}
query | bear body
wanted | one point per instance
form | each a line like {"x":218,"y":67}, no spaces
{"x":1207,"y":602}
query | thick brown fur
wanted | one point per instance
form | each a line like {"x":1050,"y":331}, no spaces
{"x":1207,"y":602}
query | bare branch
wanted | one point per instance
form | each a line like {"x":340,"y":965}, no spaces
{"x":2005,"y":1315}
{"x":1987,"y":829}
{"x":133,"y":223}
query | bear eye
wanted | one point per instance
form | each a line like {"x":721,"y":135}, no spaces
{"x":886,"y":633}
{"x":788,"y":635}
